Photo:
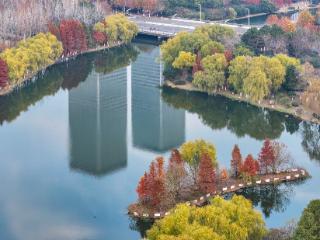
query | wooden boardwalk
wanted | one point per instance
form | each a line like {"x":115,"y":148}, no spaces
{"x":286,"y":176}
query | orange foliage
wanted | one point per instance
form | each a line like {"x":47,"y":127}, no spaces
{"x":236,"y":161}
{"x":206,"y":174}
{"x":250,"y":166}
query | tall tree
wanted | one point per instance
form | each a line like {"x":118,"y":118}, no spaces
{"x":175,"y":174}
{"x":206,"y":175}
{"x":266,"y":156}
{"x":151,"y":187}
{"x":236,"y":161}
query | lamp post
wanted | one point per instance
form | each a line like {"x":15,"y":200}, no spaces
{"x":200,"y":11}
{"x":248,"y":16}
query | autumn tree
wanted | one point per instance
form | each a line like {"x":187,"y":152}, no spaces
{"x":283,"y":159}
{"x":4,"y":79}
{"x":233,"y":219}
{"x":31,"y":55}
{"x":151,"y":187}
{"x":250,"y":167}
{"x":224,"y":175}
{"x":266,"y":157}
{"x":206,"y":174}
{"x":117,"y":28}
{"x":236,"y":161}
{"x":73,"y":36}
{"x":191,"y":153}
{"x":184,"y":61}
{"x":306,"y":20}
{"x":175,"y":175}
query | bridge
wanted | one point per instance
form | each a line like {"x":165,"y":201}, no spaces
{"x":168,"y":27}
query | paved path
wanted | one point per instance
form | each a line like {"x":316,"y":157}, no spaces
{"x":168,"y":27}
{"x":285,"y":176}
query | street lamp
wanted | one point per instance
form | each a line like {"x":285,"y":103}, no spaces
{"x":248,"y":16}
{"x":200,"y":11}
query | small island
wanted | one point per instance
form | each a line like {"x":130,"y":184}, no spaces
{"x":193,"y":176}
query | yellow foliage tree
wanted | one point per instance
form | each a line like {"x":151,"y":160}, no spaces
{"x":31,"y":55}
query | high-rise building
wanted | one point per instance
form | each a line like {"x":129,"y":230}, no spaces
{"x":98,"y":123}
{"x":155,"y":125}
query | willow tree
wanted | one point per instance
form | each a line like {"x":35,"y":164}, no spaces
{"x":233,"y":219}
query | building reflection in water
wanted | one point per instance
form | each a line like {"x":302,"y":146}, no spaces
{"x":98,"y":123}
{"x":155,"y":125}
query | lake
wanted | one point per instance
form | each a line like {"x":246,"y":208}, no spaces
{"x":75,"y":143}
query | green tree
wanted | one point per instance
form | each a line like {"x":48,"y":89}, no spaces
{"x":211,"y":48}
{"x":309,"y":224}
{"x":256,"y":85}
{"x":275,"y":71}
{"x":238,"y":71}
{"x":233,"y":219}
{"x":213,"y":75}
{"x":192,"y":151}
{"x":242,"y":51}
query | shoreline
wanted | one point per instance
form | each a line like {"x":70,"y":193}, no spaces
{"x":138,"y":212}
{"x":11,"y":88}
{"x":293,"y":111}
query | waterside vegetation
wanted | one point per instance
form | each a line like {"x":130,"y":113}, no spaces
{"x":65,"y":39}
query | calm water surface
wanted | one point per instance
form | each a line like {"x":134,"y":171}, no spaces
{"x":74,"y":144}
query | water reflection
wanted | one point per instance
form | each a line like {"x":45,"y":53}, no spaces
{"x":156,"y":126}
{"x":98,"y":123}
{"x":311,"y":140}
{"x":240,"y":118}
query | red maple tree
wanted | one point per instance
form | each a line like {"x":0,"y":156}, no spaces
{"x":3,"y":73}
{"x":206,"y":174}
{"x":236,"y":161}
{"x":266,"y":156}
{"x":250,"y":167}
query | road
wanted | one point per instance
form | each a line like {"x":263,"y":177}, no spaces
{"x":168,"y":27}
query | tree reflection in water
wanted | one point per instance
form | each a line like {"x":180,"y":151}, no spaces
{"x":67,"y":75}
{"x":244,"y":119}
{"x":311,"y":140}
{"x":240,"y":118}
{"x":140,"y":225}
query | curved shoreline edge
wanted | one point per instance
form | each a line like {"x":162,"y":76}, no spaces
{"x":281,"y":177}
{"x":236,"y":97}
{"x":12,"y":87}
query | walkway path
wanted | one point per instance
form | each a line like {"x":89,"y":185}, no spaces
{"x":286,"y":176}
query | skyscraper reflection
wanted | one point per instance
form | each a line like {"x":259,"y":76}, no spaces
{"x":98,"y":123}
{"x":155,"y":125}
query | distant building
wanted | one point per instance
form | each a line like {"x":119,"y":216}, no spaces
{"x":155,"y":125}
{"x":98,"y":123}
